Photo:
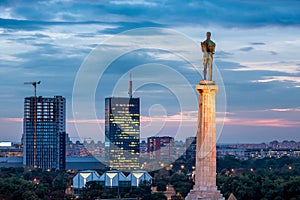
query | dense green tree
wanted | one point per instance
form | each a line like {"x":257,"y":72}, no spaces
{"x":26,"y":183}
{"x":30,"y":195}
{"x":144,"y":190}
{"x":156,"y":196}
{"x":182,"y":184}
{"x":263,"y":179}
{"x":14,"y":188}
{"x":92,"y":190}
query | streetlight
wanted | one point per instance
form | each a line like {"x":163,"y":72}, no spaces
{"x":36,"y":182}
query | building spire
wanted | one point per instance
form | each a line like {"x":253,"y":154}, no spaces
{"x":130,"y":86}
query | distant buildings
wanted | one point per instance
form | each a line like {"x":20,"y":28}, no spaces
{"x":122,"y":132}
{"x":9,"y":149}
{"x":143,"y":147}
{"x":190,"y":143}
{"x":77,"y":149}
{"x":44,"y":132}
{"x":160,"y":148}
{"x":5,"y":144}
{"x":274,"y":149}
{"x":224,"y":150}
{"x":79,"y":158}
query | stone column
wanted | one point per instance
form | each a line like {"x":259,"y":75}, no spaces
{"x":205,"y":180}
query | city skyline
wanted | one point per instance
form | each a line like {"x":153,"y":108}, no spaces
{"x":255,"y":53}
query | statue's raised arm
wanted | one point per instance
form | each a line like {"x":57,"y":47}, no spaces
{"x":208,"y":49}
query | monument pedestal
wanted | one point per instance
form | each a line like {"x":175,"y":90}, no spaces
{"x":205,"y":178}
{"x":206,"y":194}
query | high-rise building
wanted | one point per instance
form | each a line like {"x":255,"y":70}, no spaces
{"x":44,"y":132}
{"x":160,"y":148}
{"x":122,"y":132}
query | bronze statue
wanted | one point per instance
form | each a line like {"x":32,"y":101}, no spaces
{"x":208,"y":49}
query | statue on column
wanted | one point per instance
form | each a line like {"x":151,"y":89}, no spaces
{"x":208,"y":49}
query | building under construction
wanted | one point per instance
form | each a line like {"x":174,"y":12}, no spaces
{"x":44,"y":132}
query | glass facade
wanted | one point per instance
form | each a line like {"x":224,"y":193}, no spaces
{"x":44,"y":132}
{"x":122,"y":132}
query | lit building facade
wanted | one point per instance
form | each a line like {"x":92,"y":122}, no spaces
{"x":44,"y":132}
{"x":160,"y":148}
{"x":122,"y":132}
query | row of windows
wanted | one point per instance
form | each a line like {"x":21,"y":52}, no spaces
{"x":123,"y":105}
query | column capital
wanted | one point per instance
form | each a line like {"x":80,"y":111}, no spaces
{"x":207,"y":88}
{"x":206,"y":82}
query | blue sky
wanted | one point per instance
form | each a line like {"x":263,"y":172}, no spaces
{"x":257,"y":56}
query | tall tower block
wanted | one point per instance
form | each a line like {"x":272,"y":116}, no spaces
{"x":44,"y":132}
{"x":205,"y":180}
{"x":122,"y":131}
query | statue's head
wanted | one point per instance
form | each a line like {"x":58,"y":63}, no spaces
{"x":208,"y":34}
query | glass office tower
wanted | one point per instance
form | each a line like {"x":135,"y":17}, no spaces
{"x":122,"y":132}
{"x":44,"y":132}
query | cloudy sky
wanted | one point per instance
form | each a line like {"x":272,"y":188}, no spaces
{"x":257,"y":56}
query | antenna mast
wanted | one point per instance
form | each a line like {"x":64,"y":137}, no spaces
{"x":130,"y":86}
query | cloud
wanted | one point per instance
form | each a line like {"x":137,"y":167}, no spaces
{"x":285,"y":109}
{"x":190,"y":116}
{"x":186,"y":116}
{"x":258,"y":43}
{"x":267,"y":79}
{"x":12,"y":119}
{"x":134,"y":3}
{"x":167,"y":12}
{"x":5,"y":12}
{"x":290,"y":67}
{"x":48,"y":40}
{"x":87,"y":121}
{"x":223,"y":54}
{"x":11,"y":129}
{"x":283,"y":123}
{"x":246,"y":49}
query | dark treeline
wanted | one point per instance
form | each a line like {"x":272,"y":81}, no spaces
{"x":253,"y":179}
{"x":263,"y":179}
{"x":34,"y":184}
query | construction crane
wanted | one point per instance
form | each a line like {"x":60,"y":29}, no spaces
{"x":34,"y":85}
{"x":34,"y":120}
